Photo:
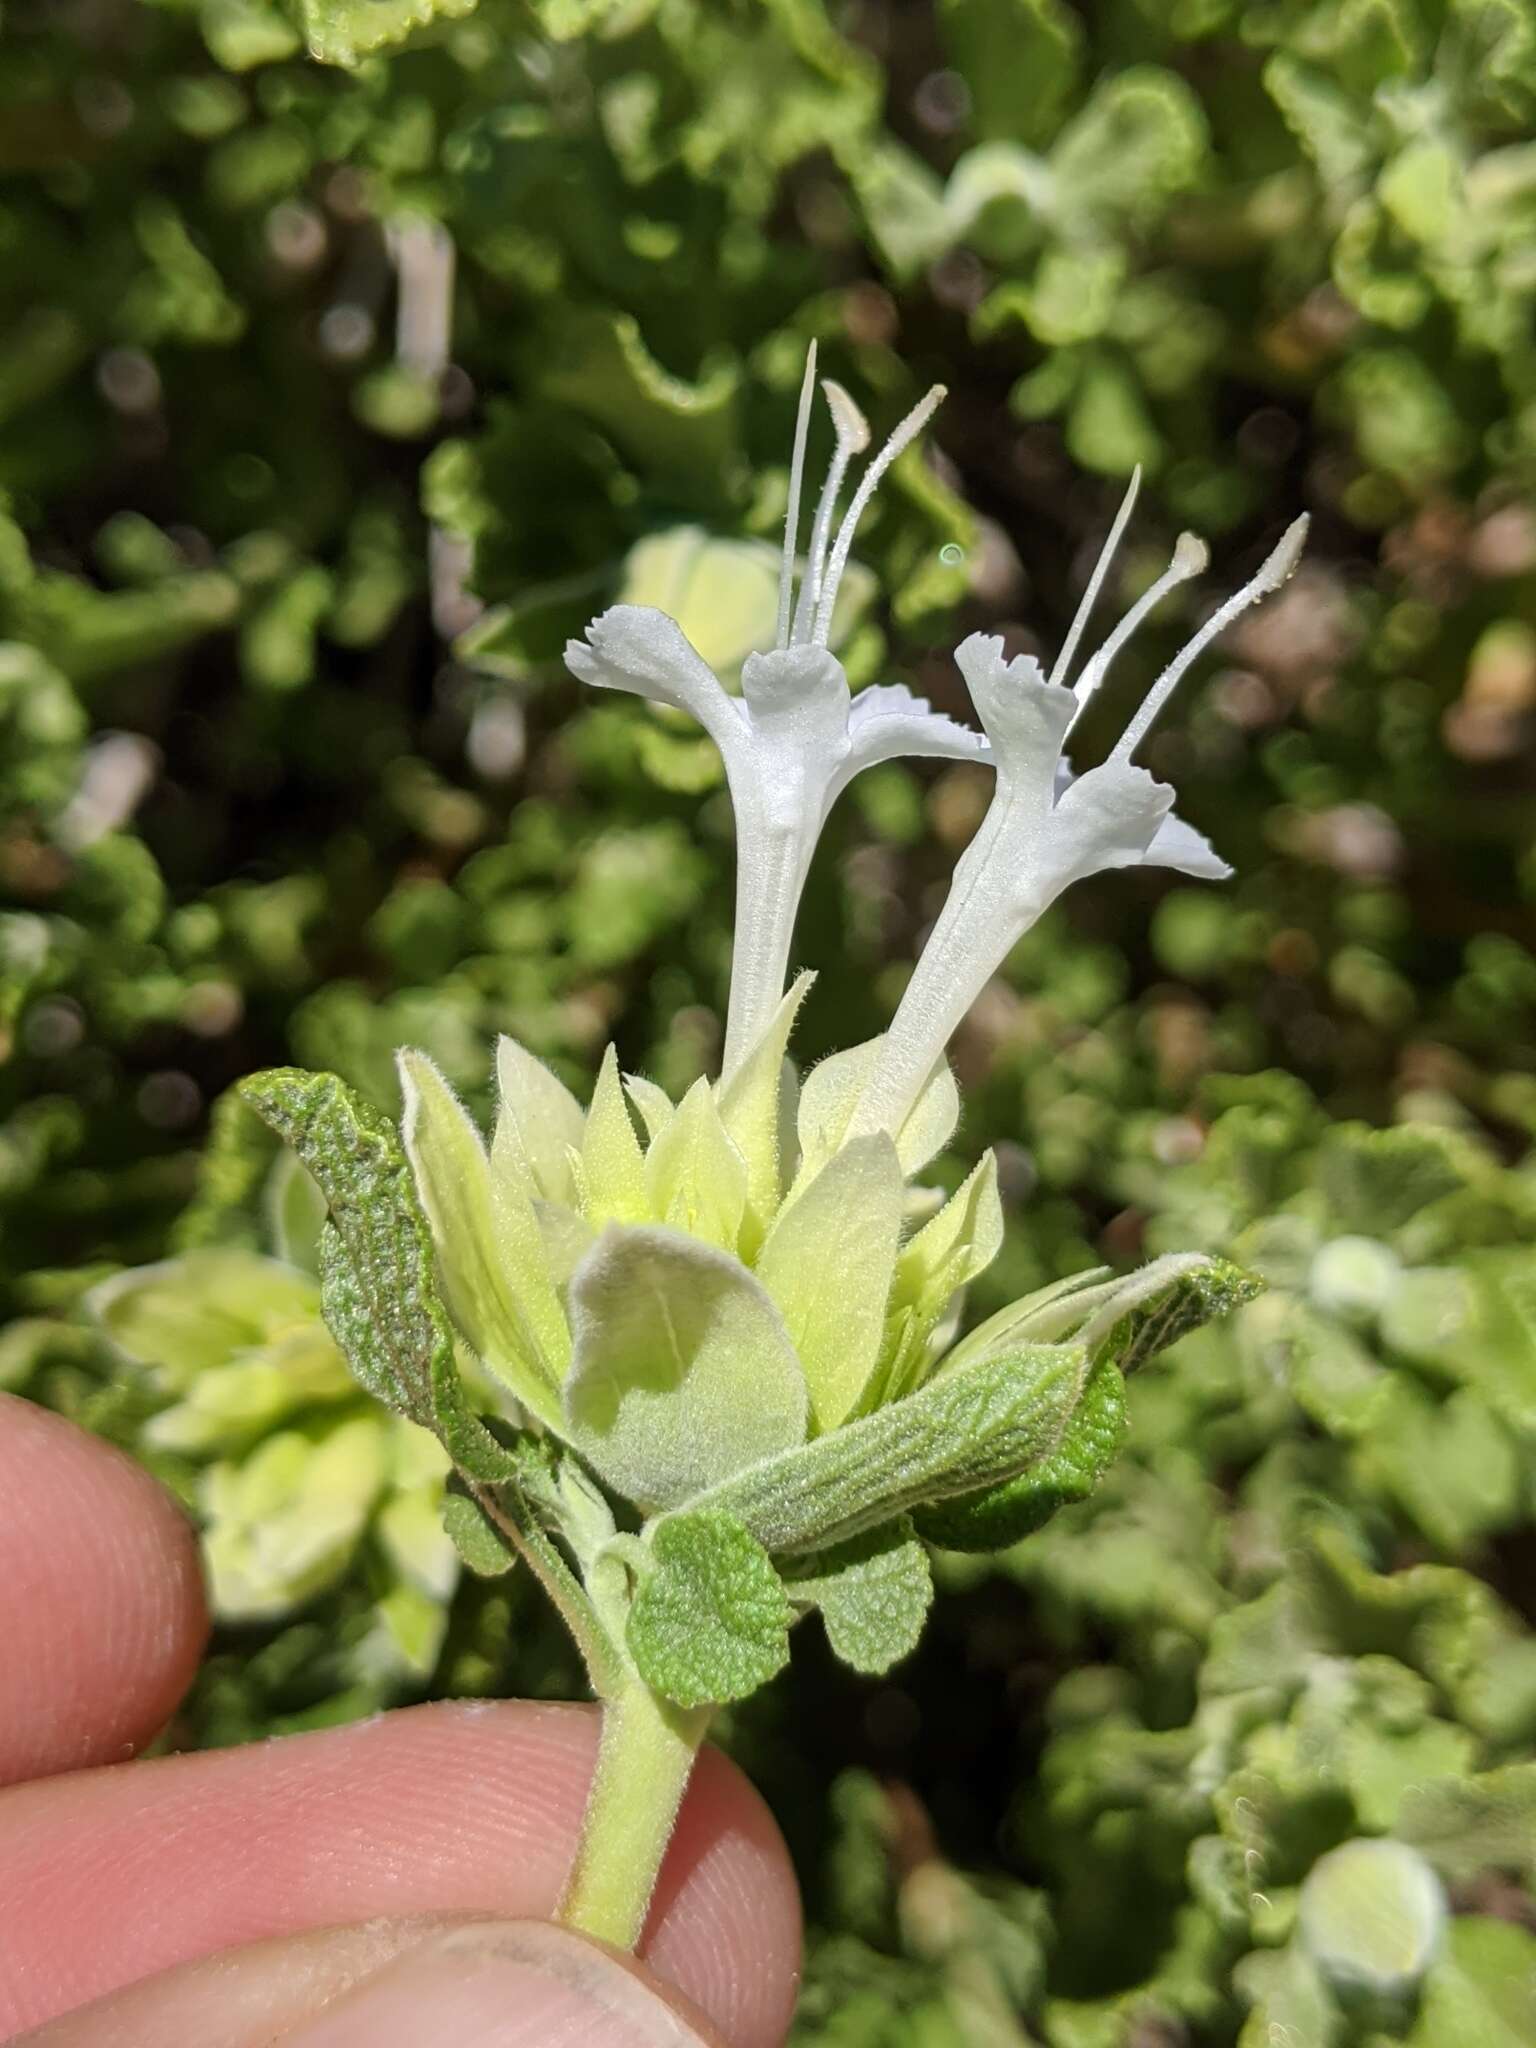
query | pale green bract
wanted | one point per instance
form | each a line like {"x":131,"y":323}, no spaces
{"x":720,"y":1341}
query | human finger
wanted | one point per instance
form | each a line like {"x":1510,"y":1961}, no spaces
{"x":469,"y":1808}
{"x":101,"y":1599}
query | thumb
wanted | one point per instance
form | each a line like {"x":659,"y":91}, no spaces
{"x":477,"y":1983}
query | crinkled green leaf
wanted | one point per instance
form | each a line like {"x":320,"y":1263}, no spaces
{"x":476,"y":1538}
{"x":1376,"y":1181}
{"x":346,"y":31}
{"x":873,"y":1591}
{"x":1140,"y":137}
{"x":1332,"y":126}
{"x":1132,"y":1316}
{"x":377,"y":1270}
{"x":1020,"y":60}
{"x":1005,"y":1514}
{"x":710,"y":1620}
{"x":828,"y":1262}
{"x":682,"y":1373}
{"x":600,"y":365}
{"x":963,"y":1431}
{"x":1469,"y":1825}
{"x":1483,"y":1994}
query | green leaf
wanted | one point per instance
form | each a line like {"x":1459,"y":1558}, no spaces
{"x":694,"y":1175}
{"x":476,"y":1538}
{"x":490,"y":1255}
{"x":906,"y":216}
{"x":828,"y":1096}
{"x":675,"y":431}
{"x":377,"y":1281}
{"x":1160,"y":1304}
{"x":750,"y":1107}
{"x":1483,"y":1995}
{"x":190,"y":1314}
{"x":1131,"y":1316}
{"x":1375,"y":1181}
{"x":296,"y":1212}
{"x":828,"y":1262}
{"x":874,"y":1593}
{"x":1109,"y":428}
{"x":946,"y":1255}
{"x":963,"y":1431}
{"x":1333,"y":128}
{"x":350,"y":1316}
{"x":1020,"y":60}
{"x":1139,"y":138}
{"x":237,"y":1158}
{"x":539,"y":1124}
{"x":1005,"y":1514}
{"x":682,"y":1372}
{"x":710,"y":1621}
{"x":346,"y":31}
{"x":611,"y":1174}
{"x":1468,"y":1826}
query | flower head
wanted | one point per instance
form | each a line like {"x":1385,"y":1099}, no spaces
{"x":1047,"y":828}
{"x":796,"y":737}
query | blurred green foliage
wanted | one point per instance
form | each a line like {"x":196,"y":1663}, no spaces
{"x":353,"y":354}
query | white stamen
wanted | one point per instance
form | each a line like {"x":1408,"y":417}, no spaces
{"x":1275,"y":571}
{"x":852,"y":439}
{"x":1191,"y":556}
{"x":1096,"y":580}
{"x":792,"y":509}
{"x":904,"y":435}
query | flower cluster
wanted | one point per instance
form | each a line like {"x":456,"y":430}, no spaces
{"x":722,"y":1333}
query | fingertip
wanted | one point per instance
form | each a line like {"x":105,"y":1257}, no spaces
{"x":101,"y":1601}
{"x":725,"y":1922}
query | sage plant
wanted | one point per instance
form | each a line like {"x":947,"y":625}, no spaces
{"x":693,"y":1360}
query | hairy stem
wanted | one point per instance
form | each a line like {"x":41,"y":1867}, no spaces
{"x":643,"y":1764}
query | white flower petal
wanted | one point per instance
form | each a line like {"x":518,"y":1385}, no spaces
{"x":1026,"y":718}
{"x":636,"y":648}
{"x":1107,"y":818}
{"x":797,"y":700}
{"x":888,"y":721}
{"x":1177,"y":845}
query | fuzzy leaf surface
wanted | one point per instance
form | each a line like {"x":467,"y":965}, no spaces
{"x":682,"y":1372}
{"x":828,"y":1262}
{"x":490,"y":1257}
{"x":378,"y":1289}
{"x":874,"y":1592}
{"x":963,"y":1431}
{"x":483,"y":1548}
{"x":1004,"y":1514}
{"x":711,"y":1621}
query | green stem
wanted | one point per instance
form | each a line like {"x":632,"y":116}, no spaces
{"x":558,"y":1580}
{"x":643,"y":1764}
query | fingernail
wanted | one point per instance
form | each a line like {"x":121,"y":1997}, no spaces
{"x":513,"y":1984}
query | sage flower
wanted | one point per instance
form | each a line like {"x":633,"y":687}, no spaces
{"x":796,"y":736}
{"x":721,"y":1327}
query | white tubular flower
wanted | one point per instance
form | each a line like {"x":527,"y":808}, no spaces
{"x":797,"y":736}
{"x":1045,"y":828}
